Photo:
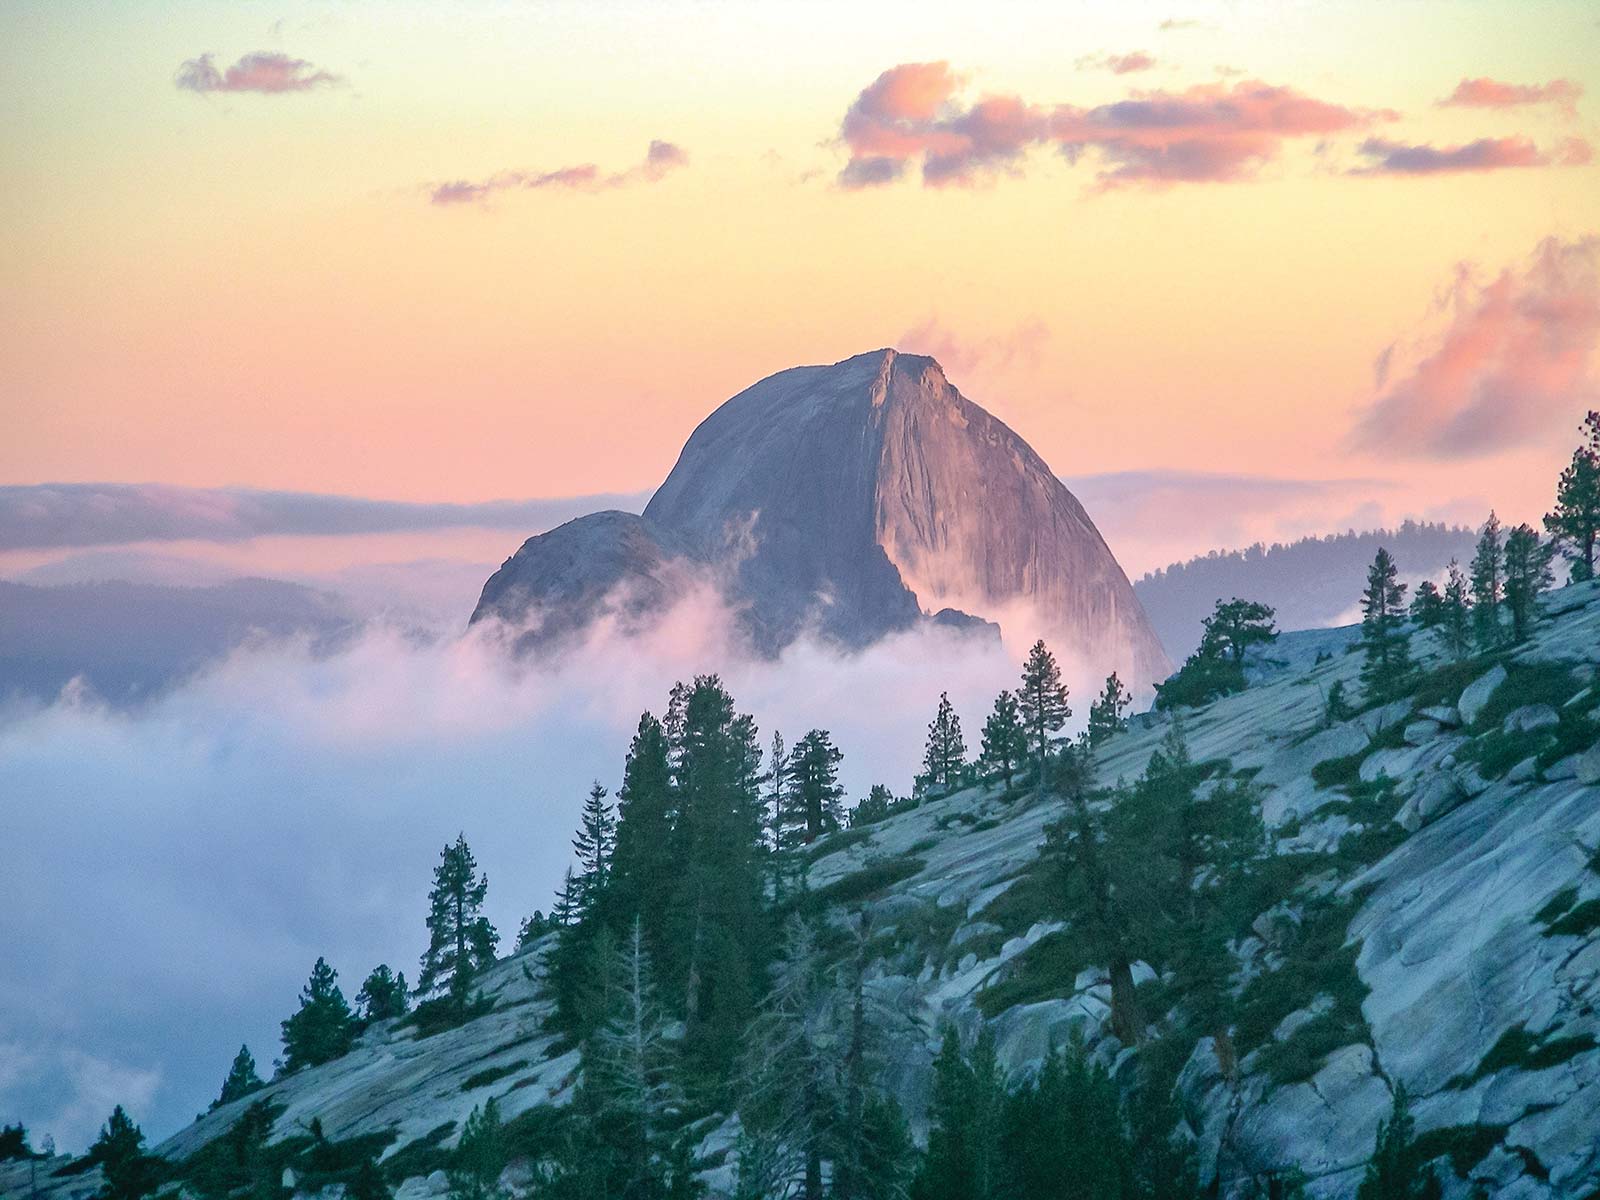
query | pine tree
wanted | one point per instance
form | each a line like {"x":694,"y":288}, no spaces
{"x":871,"y":1148}
{"x":1397,"y":1171}
{"x":461,"y":941}
{"x":718,"y":935}
{"x":1005,"y":742}
{"x":966,"y":1123}
{"x":814,"y":791}
{"x":14,"y":1143}
{"x":1427,"y":606}
{"x":1042,"y":705}
{"x":1105,"y":714}
{"x":1336,"y":707}
{"x":946,"y":752}
{"x":1456,"y":615}
{"x":382,"y":995}
{"x":630,"y":1093}
{"x":119,"y":1151}
{"x":644,"y":872}
{"x":323,"y":1028}
{"x":1236,"y":625}
{"x":241,"y":1081}
{"x":1574,"y":523}
{"x":479,"y":1157}
{"x":791,"y":1091}
{"x":877,"y":805}
{"x":1488,"y":565}
{"x":565,"y":911}
{"x":1065,"y":1138}
{"x":1527,"y":566}
{"x":1388,"y":667}
{"x":369,"y":1183}
{"x":594,"y":845}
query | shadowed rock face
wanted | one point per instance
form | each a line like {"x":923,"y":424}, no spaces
{"x":605,"y":564}
{"x":860,"y":498}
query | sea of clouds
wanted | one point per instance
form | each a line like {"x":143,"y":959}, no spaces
{"x":169,"y":874}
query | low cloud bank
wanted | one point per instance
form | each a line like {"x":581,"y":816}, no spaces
{"x":171,"y":874}
{"x":101,"y":514}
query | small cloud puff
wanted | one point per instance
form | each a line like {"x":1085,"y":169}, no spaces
{"x":267,"y":72}
{"x":660,"y":159}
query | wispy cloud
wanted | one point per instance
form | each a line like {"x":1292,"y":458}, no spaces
{"x":268,"y":72}
{"x":1483,"y":92}
{"x":960,"y":353}
{"x":1513,"y":362}
{"x":1485,"y":154}
{"x":661,"y":158}
{"x":102,"y":514}
{"x":1117,"y":64}
{"x":913,"y":115}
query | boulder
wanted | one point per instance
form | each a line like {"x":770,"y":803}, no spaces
{"x":1445,"y":714}
{"x":1587,"y":768}
{"x":1477,"y":694}
{"x":1418,"y":732}
{"x":1531,"y":718}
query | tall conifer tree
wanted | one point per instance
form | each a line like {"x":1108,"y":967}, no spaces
{"x":1527,"y":574}
{"x":461,"y":940}
{"x":1042,"y":705}
{"x":1574,"y":523}
{"x":1488,"y":583}
{"x":324,"y":1027}
{"x":946,"y":751}
{"x":1388,"y":667}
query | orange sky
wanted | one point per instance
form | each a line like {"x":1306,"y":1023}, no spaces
{"x":222,"y":286}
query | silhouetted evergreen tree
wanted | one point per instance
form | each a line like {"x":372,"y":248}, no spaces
{"x":1042,"y":705}
{"x":1105,"y":714}
{"x":643,"y":870}
{"x":1574,"y":523}
{"x":1427,"y":605}
{"x":1065,"y":1138}
{"x":1388,"y":667}
{"x":369,"y":1183}
{"x":479,"y":1157}
{"x":1488,"y":579}
{"x":875,"y":806}
{"x":594,"y":845}
{"x":119,"y":1151}
{"x":946,"y":751}
{"x":324,"y":1027}
{"x":719,"y":937}
{"x":966,"y":1123}
{"x":241,"y":1081}
{"x":1216,"y":668}
{"x":14,"y":1143}
{"x":461,"y":940}
{"x":1234,"y":627}
{"x":382,"y":995}
{"x":792,"y":1095}
{"x":1005,"y":742}
{"x":1456,"y":613}
{"x":814,"y":792}
{"x":1527,"y":565}
{"x":1397,"y":1171}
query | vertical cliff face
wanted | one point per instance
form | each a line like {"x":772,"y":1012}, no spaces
{"x":858,"y":496}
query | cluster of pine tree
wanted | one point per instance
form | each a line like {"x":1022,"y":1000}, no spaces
{"x":1217,"y":667}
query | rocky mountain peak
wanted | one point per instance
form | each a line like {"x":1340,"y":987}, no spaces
{"x":857,"y":499}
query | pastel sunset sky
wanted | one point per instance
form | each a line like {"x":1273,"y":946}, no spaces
{"x":475,"y":250}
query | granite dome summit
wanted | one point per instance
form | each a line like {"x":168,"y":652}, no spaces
{"x":852,"y":501}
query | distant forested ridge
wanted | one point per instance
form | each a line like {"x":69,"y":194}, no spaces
{"x":1309,"y":582}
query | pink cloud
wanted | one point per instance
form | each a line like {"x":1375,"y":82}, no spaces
{"x":1492,"y":93}
{"x":1485,"y":154}
{"x":264,"y":71}
{"x":1514,"y":361}
{"x":912,"y":115}
{"x":959,"y":354}
{"x":1118,"y":64}
{"x":661,"y":158}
